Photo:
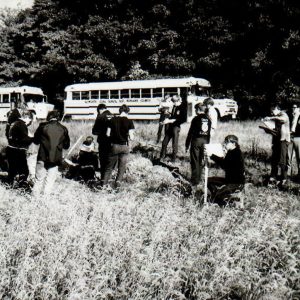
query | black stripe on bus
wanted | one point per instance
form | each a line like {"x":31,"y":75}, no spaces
{"x":82,"y":107}
{"x":91,"y":114}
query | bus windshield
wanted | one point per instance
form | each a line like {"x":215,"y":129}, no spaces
{"x":34,"y":98}
{"x":199,"y":91}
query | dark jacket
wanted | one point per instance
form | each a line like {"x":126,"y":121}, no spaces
{"x":233,"y":165}
{"x":12,"y":116}
{"x":179,"y":114}
{"x":52,"y":138}
{"x":18,"y":135}
{"x":200,"y":127}
{"x":88,"y":159}
{"x":101,"y":124}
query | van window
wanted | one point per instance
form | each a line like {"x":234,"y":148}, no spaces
{"x":94,"y":94}
{"x":76,"y":96}
{"x":114,"y":94}
{"x":103,"y":94}
{"x":146,"y":93}
{"x":157,"y":93}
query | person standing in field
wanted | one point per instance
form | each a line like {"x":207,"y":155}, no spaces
{"x":295,"y":132}
{"x":280,"y":143}
{"x":165,"y":108}
{"x":212,"y":114}
{"x":120,"y":130}
{"x":177,"y":117}
{"x":52,"y":137}
{"x":14,"y":114}
{"x":100,"y":129}
{"x":18,"y":142}
{"x":198,"y":136}
{"x":221,"y":188}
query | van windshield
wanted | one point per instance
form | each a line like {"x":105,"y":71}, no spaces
{"x":34,"y":98}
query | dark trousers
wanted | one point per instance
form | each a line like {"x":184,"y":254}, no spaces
{"x":118,"y":154}
{"x":220,"y":190}
{"x":17,"y":164}
{"x":160,"y":127}
{"x":197,"y":158}
{"x":280,"y":158}
{"x":104,"y":148}
{"x":171,"y":133}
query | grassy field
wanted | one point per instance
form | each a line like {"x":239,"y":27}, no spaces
{"x":147,"y":241}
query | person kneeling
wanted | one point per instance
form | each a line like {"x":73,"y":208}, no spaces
{"x":220,"y":188}
{"x":85,"y":164}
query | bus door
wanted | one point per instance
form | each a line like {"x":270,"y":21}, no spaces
{"x":5,"y":106}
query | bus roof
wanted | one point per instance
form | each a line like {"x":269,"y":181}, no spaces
{"x":22,"y":89}
{"x":137,"y":84}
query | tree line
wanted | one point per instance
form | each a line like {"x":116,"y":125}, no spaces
{"x":248,"y":50}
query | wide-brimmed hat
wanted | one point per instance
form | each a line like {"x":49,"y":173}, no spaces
{"x":88,"y":145}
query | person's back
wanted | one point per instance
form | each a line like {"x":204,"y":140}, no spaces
{"x":120,"y":126}
{"x":120,"y":131}
{"x":52,"y":137}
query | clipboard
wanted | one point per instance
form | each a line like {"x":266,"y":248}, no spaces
{"x":269,"y":127}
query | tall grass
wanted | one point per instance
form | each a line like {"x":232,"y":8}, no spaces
{"x":146,"y":241}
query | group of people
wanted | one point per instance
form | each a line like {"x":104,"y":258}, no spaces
{"x":285,"y":142}
{"x":51,"y":136}
{"x":115,"y":131}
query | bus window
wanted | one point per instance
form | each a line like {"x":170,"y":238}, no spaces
{"x":5,"y":98}
{"x":103,"y":94}
{"x":135,"y":93}
{"x":146,"y":93}
{"x":85,"y":95}
{"x":157,"y":93}
{"x":124,"y":94}
{"x":95,"y":95}
{"x":76,"y":96}
{"x":171,"y":91}
{"x":114,"y":94}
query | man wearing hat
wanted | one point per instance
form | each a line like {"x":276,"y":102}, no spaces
{"x":52,"y":137}
{"x":100,"y":129}
{"x":198,"y":136}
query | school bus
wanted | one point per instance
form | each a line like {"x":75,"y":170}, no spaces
{"x":142,"y":96}
{"x":32,"y":98}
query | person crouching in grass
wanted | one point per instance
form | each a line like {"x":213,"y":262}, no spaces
{"x":85,"y":163}
{"x":221,"y":188}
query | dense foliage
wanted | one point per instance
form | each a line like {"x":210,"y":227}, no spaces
{"x":247,"y":49}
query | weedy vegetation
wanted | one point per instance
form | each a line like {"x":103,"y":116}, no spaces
{"x":146,"y":240}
